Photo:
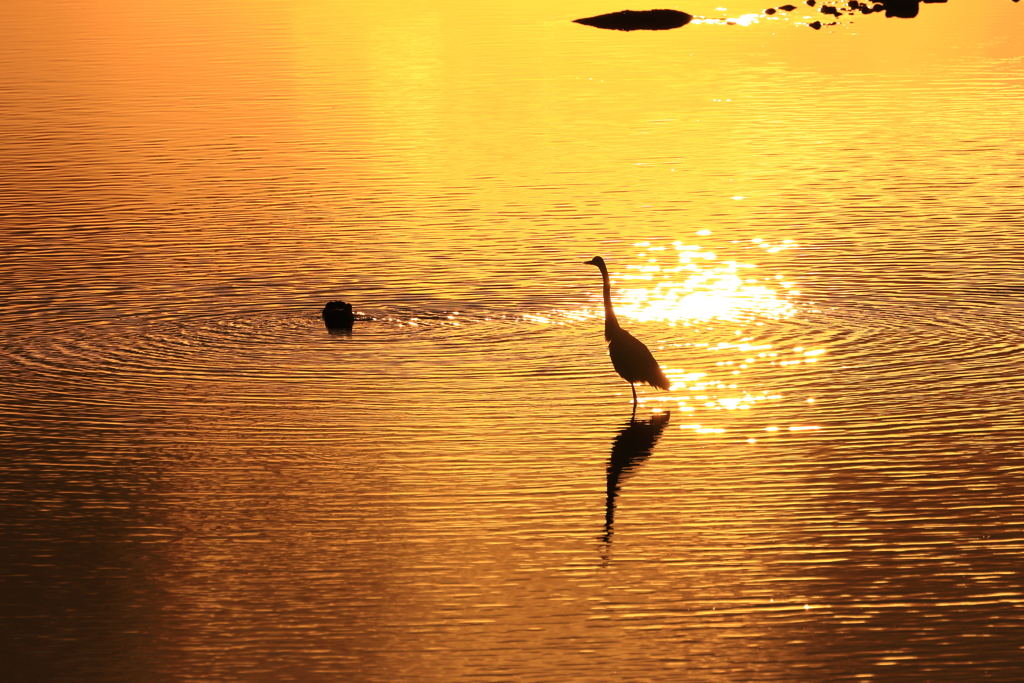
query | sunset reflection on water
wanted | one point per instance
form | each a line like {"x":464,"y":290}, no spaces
{"x":704,"y":317}
{"x":816,"y":233}
{"x":688,"y":285}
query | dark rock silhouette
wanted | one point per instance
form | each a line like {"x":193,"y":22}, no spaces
{"x":644,"y":20}
{"x":664,"y":19}
{"x":338,"y":315}
{"x":632,"y":446}
{"x":905,"y":9}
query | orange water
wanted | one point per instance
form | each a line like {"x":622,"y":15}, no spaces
{"x":818,"y":234}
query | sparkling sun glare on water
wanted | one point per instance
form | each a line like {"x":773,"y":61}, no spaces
{"x":687,"y":285}
{"x":696,"y":287}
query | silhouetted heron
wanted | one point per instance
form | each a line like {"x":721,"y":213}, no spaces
{"x":630,"y":357}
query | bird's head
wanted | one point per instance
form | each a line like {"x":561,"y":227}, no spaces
{"x":596,"y":261}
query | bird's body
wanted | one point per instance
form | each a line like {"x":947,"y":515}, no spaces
{"x":630,"y":357}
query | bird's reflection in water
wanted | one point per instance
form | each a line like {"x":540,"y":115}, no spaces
{"x":634,"y":443}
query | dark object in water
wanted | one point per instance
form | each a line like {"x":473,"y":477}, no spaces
{"x":644,"y":20}
{"x":904,"y":9}
{"x":784,"y":8}
{"x":337,"y":315}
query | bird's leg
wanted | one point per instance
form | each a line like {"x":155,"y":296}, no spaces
{"x":634,"y":395}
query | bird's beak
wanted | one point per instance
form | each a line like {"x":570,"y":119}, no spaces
{"x":589,"y":263}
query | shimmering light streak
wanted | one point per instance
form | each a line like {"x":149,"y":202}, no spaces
{"x":687,"y":284}
{"x":701,"y":429}
{"x":741,"y":20}
{"x":697,"y":287}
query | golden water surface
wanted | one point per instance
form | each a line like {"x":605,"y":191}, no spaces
{"x":818,"y":233}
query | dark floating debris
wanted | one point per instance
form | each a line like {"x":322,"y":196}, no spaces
{"x":904,"y":9}
{"x":837,"y":9}
{"x":664,"y":19}
{"x":642,"y":20}
{"x":338,"y":315}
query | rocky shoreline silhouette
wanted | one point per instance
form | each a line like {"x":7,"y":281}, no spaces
{"x":666,"y":19}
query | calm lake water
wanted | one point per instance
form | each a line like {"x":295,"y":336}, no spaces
{"x":818,"y":234}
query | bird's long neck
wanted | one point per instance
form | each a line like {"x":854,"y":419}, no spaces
{"x":611,"y":323}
